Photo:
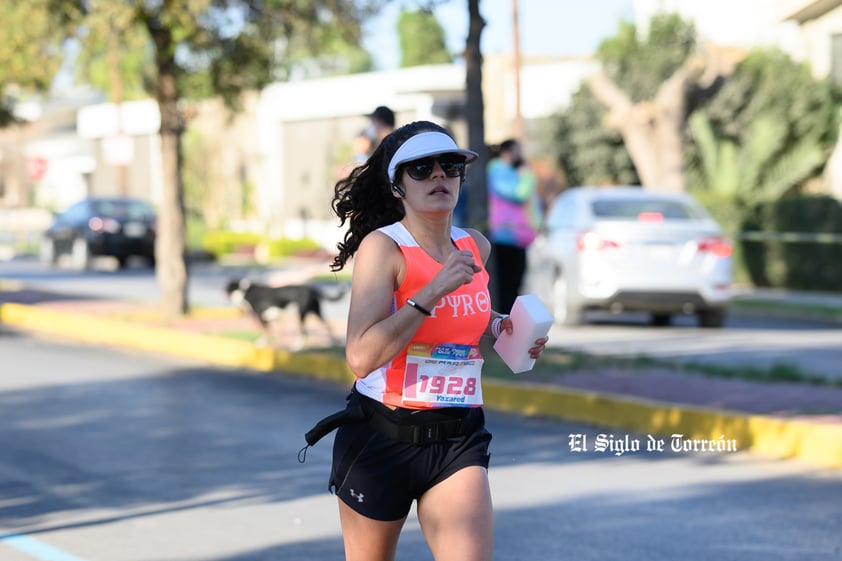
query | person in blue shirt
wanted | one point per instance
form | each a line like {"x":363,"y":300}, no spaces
{"x":513,"y":219}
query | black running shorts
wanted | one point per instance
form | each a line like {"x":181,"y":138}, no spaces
{"x":379,"y":477}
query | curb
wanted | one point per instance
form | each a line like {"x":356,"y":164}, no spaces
{"x":816,"y":443}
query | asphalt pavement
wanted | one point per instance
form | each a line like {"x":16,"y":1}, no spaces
{"x":623,"y":403}
{"x":111,"y":454}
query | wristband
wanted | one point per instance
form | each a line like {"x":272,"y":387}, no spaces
{"x":496,"y":324}
{"x":413,"y":304}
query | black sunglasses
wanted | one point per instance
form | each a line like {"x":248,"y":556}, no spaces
{"x":452,"y":166}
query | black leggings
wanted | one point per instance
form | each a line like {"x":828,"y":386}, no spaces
{"x":510,"y":268}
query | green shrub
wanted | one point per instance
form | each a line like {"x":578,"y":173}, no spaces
{"x":758,"y":255}
{"x":223,"y":242}
{"x":196,"y":230}
{"x":764,"y":256}
{"x":287,"y":247}
{"x":782,"y":255}
{"x":810,"y":265}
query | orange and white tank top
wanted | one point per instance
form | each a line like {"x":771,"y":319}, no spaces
{"x":441,"y":365}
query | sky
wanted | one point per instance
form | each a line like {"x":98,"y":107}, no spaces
{"x":549,"y":27}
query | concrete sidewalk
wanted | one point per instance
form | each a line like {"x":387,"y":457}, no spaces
{"x":783,"y":420}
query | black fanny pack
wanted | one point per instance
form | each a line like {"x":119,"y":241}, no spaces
{"x":412,"y":427}
{"x":353,"y":413}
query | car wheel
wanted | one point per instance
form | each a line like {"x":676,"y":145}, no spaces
{"x":80,"y":255}
{"x":47,"y":252}
{"x":712,"y":317}
{"x":564,"y":312}
{"x":661,"y":320}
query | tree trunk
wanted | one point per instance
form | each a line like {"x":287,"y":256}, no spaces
{"x":670,"y":108}
{"x":652,"y":130}
{"x":475,"y":115}
{"x":170,"y":254}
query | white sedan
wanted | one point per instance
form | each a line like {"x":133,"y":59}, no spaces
{"x":630,"y":249}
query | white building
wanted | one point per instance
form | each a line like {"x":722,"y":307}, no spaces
{"x":820,"y":33}
{"x":820,"y":22}
{"x":305,"y":127}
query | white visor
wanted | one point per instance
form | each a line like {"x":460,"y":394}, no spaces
{"x":426,"y":144}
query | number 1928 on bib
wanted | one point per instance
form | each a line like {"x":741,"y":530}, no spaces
{"x":443,"y":375}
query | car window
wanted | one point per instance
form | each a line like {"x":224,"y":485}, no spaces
{"x":75,"y":213}
{"x":633,"y":209}
{"x":129,"y":210}
{"x":562,"y":214}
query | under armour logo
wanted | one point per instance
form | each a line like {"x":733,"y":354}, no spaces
{"x":358,"y":496}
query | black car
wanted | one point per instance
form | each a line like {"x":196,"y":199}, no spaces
{"x":116,"y":227}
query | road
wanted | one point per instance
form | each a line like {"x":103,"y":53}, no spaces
{"x":112,"y":455}
{"x":813,"y":348}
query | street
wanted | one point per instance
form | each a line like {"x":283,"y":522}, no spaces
{"x":812,"y":347}
{"x":113,"y":455}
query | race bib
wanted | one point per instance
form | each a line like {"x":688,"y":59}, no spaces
{"x":442,"y":375}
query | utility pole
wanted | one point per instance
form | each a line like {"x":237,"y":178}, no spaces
{"x":518,"y":121}
{"x":474,"y":114}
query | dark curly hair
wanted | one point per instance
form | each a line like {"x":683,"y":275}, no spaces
{"x":364,"y":198}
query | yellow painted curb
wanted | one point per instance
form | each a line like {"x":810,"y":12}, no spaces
{"x":817,"y":443}
{"x":210,"y":348}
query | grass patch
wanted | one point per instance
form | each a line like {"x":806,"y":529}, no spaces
{"x":342,"y":276}
{"x":557,"y":362}
{"x":777,"y":372}
{"x":814,"y":311}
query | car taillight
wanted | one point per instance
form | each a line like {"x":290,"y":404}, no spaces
{"x":98,"y":224}
{"x":591,"y":241}
{"x":717,"y":246}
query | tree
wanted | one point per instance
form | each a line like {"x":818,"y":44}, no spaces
{"x":650,"y":86}
{"x":589,"y":152}
{"x":769,"y":130}
{"x":224,"y":47}
{"x":30,"y":50}
{"x":115,"y":53}
{"x":771,"y":127}
{"x":421,"y":39}
{"x":204,"y":48}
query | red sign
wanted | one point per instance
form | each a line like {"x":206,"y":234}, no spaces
{"x":36,"y":167}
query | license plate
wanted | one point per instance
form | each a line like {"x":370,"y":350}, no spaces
{"x":134,"y":229}
{"x":660,"y":252}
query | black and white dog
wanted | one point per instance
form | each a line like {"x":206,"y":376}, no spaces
{"x":266,"y":303}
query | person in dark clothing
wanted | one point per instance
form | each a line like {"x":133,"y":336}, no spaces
{"x":513,"y":219}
